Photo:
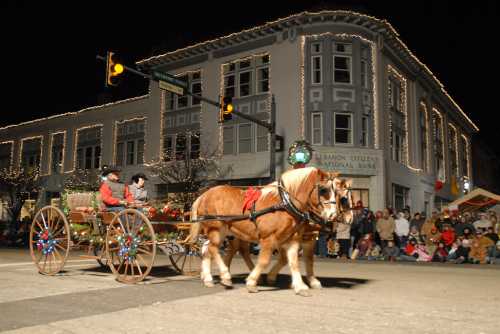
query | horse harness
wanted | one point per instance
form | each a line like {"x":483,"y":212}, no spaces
{"x":286,"y":204}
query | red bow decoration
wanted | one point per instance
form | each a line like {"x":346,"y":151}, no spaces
{"x":251,"y":196}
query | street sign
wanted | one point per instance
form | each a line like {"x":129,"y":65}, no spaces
{"x":170,"y":79}
{"x":171,"y":88}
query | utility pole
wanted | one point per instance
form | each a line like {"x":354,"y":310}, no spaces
{"x":162,"y":77}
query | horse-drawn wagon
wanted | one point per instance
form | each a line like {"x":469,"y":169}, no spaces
{"x":125,"y":241}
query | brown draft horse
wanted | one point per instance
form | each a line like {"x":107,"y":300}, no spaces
{"x":344,"y":213}
{"x":310,"y":189}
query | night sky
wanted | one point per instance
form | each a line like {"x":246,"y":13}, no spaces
{"x":48,"y":50}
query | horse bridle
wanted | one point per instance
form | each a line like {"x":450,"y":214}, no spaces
{"x":311,"y":214}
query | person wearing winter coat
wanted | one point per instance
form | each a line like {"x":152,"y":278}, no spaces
{"x":363,"y":248}
{"x":440,"y":254}
{"x":417,"y":221}
{"x":448,"y":236}
{"x":410,"y":251}
{"x":344,"y":238}
{"x":428,"y":226}
{"x":402,"y":228}
{"x":385,"y":228}
{"x":479,"y":248}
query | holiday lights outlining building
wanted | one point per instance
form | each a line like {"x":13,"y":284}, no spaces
{"x":343,"y":81}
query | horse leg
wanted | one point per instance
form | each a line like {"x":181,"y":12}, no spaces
{"x":298,"y":285}
{"x":213,"y":248}
{"x":206,"y":275}
{"x":273,"y":273}
{"x":266,"y":250}
{"x":231,"y":251}
{"x":308,"y":247}
{"x":244,"y":248}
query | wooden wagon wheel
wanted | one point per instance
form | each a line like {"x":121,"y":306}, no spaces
{"x":188,"y":262}
{"x":130,"y":246}
{"x":49,"y":240}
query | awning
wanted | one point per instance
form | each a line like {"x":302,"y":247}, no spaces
{"x":478,"y":199}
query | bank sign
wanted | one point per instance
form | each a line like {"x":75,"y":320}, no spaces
{"x":348,"y":161}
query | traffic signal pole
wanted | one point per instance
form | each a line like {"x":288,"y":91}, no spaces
{"x":270,"y":126}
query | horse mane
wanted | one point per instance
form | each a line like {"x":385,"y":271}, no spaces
{"x":293,"y":181}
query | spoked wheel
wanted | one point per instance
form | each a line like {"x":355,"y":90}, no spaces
{"x":49,"y":240}
{"x":188,"y":262}
{"x":130,"y":246}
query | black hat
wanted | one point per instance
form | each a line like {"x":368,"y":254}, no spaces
{"x":110,"y":169}
{"x":138,"y":176}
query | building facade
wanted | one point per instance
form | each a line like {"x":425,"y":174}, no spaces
{"x":343,"y":81}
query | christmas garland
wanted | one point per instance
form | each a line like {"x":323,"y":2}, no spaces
{"x":300,"y":153}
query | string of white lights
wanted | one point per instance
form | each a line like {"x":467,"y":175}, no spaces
{"x":427,"y":132}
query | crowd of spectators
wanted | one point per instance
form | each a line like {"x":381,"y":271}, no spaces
{"x":398,"y":236}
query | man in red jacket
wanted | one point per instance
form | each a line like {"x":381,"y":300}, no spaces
{"x":448,"y":235}
{"x":115,"y":195}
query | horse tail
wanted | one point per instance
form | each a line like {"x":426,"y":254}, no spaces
{"x":194,"y":230}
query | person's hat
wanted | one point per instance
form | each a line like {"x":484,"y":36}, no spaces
{"x":110,"y":169}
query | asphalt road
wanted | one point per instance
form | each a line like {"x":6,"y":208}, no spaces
{"x":358,"y":297}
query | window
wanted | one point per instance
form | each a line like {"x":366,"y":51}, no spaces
{"x":180,"y":147}
{"x":182,"y":101}
{"x":195,"y":145}
{"x":181,"y":119}
{"x":397,"y":147}
{"x":364,"y":74}
{"x":395,"y":95}
{"x":240,"y":75}
{"x":316,"y":76}
{"x":196,"y":89}
{"x":169,"y":101}
{"x":316,"y":48}
{"x":438,"y":143}
{"x":262,"y":63}
{"x":57,"y":155}
{"x":130,"y":152}
{"x":119,"y":154}
{"x":6,"y":154}
{"x":228,"y":140}
{"x":343,"y":128}
{"x":130,"y":147}
{"x":342,"y":69}
{"x":262,"y":139}
{"x":317,"y":128}
{"x":168,"y":148}
{"x":342,"y":47}
{"x":364,"y":131}
{"x":464,"y":157}
{"x":31,"y":153}
{"x":400,"y":197}
{"x":89,"y":147}
{"x":88,"y":157}
{"x":245,"y":83}
{"x":423,"y":137}
{"x":452,"y":148}
{"x":263,"y":80}
{"x":361,"y":195}
{"x":245,"y":138}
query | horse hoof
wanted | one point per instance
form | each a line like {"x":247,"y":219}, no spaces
{"x":304,"y":293}
{"x":252,"y":289}
{"x":316,"y":285}
{"x":227,"y":283}
{"x":209,"y":284}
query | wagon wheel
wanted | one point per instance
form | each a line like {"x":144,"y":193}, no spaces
{"x":187,"y":262}
{"x":130,"y":246}
{"x":49,"y":240}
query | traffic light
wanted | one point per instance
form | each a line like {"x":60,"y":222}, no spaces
{"x":226,"y":109}
{"x":113,"y":70}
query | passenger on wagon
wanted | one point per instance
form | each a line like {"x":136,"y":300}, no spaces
{"x":115,"y":195}
{"x":136,"y":188}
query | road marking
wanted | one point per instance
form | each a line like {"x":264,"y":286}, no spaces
{"x":70,"y":266}
{"x":31,"y":263}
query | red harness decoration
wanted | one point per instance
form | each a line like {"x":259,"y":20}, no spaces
{"x":251,"y":196}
